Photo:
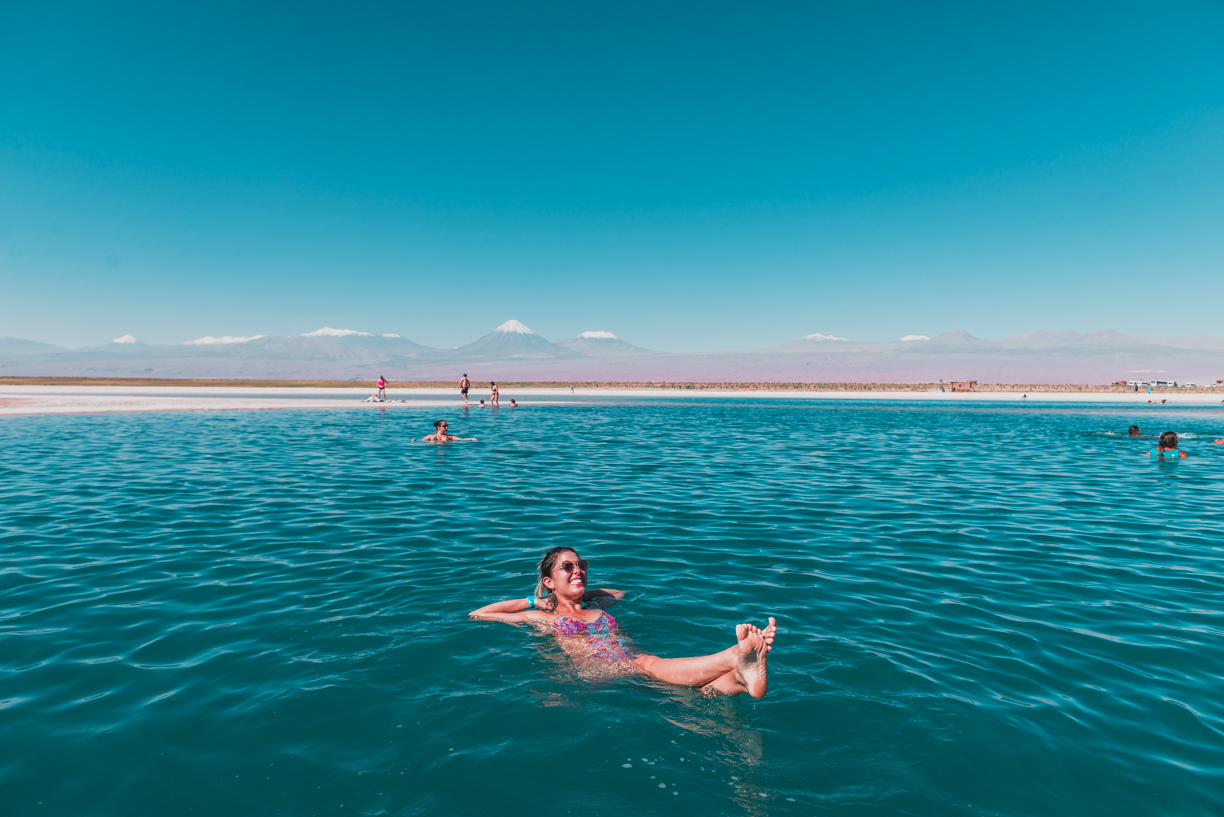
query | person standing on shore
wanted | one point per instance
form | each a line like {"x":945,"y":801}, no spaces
{"x":382,"y":388}
{"x":492,"y":394}
{"x":464,"y":385}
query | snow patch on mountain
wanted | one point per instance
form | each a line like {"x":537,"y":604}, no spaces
{"x":600,"y":334}
{"x":390,"y":335}
{"x":125,"y":339}
{"x":819,"y":336}
{"x":328,"y":332}
{"x":514,"y":326}
{"x":224,"y":340}
{"x":912,"y":338}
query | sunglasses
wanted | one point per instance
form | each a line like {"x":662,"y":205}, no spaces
{"x":569,"y":566}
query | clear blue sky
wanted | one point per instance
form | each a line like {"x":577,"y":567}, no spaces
{"x":691,"y":177}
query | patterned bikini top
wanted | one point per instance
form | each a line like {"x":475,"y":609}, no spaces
{"x":603,"y":626}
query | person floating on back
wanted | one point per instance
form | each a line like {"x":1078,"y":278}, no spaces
{"x":440,"y":435}
{"x":1166,"y":448}
{"x":564,"y":605}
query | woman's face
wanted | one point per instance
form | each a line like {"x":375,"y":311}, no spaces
{"x":569,"y":575}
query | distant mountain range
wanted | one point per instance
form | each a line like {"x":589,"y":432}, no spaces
{"x":514,"y":352}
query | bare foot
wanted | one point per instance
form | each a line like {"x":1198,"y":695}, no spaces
{"x":753,"y":647}
{"x":769,"y":632}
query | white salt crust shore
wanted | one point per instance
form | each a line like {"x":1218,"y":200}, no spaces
{"x":25,"y":400}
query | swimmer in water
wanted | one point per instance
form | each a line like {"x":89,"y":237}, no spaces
{"x":512,"y":403}
{"x":592,"y":635}
{"x":1133,"y":431}
{"x":1166,"y":448}
{"x":440,"y":435}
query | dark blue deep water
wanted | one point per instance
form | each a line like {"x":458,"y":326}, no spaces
{"x":983,"y":610}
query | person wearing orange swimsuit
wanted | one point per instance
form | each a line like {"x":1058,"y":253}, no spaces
{"x":592,"y":634}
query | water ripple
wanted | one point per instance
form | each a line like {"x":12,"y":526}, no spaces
{"x":984,"y":610}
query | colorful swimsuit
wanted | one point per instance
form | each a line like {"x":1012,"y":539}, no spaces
{"x":601,"y":635}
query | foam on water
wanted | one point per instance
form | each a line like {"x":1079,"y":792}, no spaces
{"x":982,"y":610}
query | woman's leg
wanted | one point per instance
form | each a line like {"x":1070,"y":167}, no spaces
{"x":689,"y":672}
{"x":737,"y":669}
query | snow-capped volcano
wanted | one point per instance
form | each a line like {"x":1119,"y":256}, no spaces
{"x":515,"y":327}
{"x":601,"y":343}
{"x":912,"y":338}
{"x":512,"y":340}
{"x":125,"y":340}
{"x":328,"y":332}
{"x":224,"y":340}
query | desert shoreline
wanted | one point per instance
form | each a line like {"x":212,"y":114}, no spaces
{"x":17,"y":400}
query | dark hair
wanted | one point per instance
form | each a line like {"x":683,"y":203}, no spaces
{"x":545,"y":568}
{"x":465,"y":374}
{"x":1133,"y":431}
{"x":439,"y":422}
{"x":1168,"y":440}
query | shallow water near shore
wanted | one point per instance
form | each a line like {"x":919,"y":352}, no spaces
{"x":995,"y":610}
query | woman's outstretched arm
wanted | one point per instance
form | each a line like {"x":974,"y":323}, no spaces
{"x":606,"y":595}
{"x":509,"y":610}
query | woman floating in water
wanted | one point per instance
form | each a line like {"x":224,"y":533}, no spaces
{"x":1166,"y":448}
{"x":440,"y":435}
{"x":593,"y":635}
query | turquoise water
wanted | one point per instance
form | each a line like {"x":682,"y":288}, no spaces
{"x":983,"y":610}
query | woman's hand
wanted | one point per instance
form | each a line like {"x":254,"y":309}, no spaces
{"x":603,"y":596}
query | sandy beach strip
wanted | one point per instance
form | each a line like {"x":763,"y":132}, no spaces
{"x":25,"y":400}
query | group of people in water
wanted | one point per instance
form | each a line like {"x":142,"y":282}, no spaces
{"x":1166,"y":444}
